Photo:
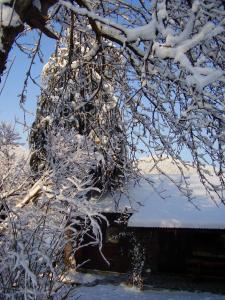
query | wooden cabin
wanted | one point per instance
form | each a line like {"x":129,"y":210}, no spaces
{"x":154,"y":232}
{"x":186,"y":251}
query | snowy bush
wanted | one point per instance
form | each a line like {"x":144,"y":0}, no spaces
{"x":38,"y":232}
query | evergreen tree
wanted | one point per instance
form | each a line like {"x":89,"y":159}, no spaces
{"x":79,"y":100}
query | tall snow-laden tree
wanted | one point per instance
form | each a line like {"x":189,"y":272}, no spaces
{"x":81,"y":99}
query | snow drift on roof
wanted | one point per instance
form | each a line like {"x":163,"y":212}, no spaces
{"x":165,"y":206}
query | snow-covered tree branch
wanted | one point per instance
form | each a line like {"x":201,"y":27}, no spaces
{"x":14,"y":14}
{"x":174,"y":65}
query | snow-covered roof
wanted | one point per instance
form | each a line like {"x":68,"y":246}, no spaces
{"x":165,"y":206}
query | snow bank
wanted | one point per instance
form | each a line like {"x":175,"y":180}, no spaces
{"x":74,"y":277}
{"x":111,"y":292}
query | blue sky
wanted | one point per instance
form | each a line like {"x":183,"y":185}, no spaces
{"x":9,"y":99}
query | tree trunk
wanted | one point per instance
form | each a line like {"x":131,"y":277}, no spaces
{"x":9,"y":35}
{"x":69,"y":256}
{"x":29,"y":14}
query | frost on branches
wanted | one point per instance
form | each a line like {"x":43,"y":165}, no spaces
{"x":174,"y":57}
{"x":13,"y":167}
{"x":41,"y":220}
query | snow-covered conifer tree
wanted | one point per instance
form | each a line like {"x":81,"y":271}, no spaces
{"x":81,"y":100}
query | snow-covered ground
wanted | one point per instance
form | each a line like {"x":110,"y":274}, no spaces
{"x":111,"y":292}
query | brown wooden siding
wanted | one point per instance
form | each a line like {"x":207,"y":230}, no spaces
{"x":184,"y":251}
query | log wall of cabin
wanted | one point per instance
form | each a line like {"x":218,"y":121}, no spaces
{"x":195,"y":252}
